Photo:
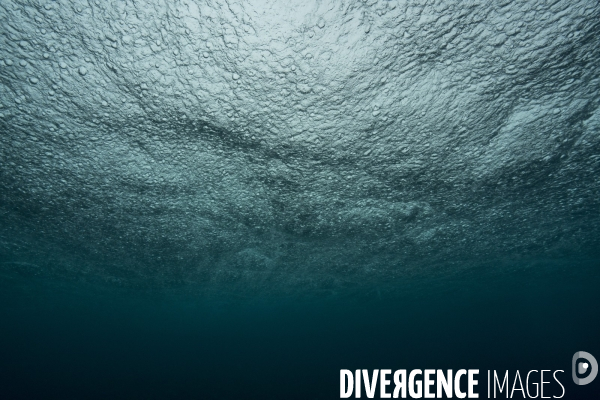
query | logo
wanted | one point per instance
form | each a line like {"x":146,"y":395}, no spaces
{"x":581,"y":367}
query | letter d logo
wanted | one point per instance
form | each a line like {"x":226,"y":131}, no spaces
{"x":582,"y":367}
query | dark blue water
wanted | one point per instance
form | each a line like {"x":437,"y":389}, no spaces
{"x":238,"y":199}
{"x":63,"y":340}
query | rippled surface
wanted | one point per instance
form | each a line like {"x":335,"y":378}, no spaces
{"x":235,"y":200}
{"x":296,"y":146}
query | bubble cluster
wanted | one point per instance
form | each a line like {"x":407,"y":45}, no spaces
{"x":310,"y":146}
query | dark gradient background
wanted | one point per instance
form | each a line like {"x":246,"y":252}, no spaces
{"x":68,"y":341}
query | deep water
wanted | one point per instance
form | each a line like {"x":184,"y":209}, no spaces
{"x":237,"y":199}
{"x":74,"y":341}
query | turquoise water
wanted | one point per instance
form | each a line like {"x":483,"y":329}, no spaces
{"x":239,"y":199}
{"x":68,"y":340}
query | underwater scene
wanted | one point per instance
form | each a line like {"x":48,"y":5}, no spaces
{"x":301,"y":199}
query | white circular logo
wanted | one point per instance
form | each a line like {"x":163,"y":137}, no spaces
{"x":582,"y":367}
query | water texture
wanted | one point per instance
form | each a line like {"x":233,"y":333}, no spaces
{"x":317,"y":157}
